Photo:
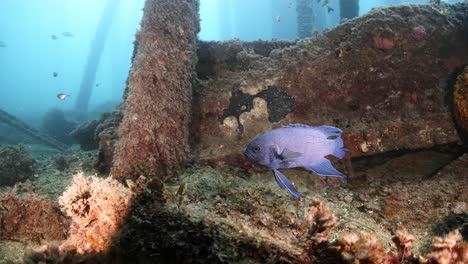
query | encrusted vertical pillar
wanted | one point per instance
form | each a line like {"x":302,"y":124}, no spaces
{"x":349,"y":9}
{"x":460,"y":96}
{"x":94,"y":56}
{"x":305,"y":18}
{"x":154,"y":134}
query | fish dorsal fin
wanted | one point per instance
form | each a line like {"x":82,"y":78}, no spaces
{"x":325,"y":129}
{"x":330,"y":130}
{"x":297,"y":125}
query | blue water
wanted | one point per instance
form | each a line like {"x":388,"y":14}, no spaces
{"x":27,"y":84}
{"x":257,"y":19}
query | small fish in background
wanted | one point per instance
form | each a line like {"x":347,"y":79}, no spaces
{"x":62,"y":96}
{"x":326,"y":3}
{"x":290,"y":5}
{"x":278,"y":18}
{"x":54,"y":74}
{"x":298,"y":146}
{"x":53,"y":37}
{"x":97,"y":84}
{"x":67,"y":34}
{"x":3,"y":44}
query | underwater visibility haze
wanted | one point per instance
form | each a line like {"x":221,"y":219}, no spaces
{"x":46,"y":48}
{"x":234,"y":131}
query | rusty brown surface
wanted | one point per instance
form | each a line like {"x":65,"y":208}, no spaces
{"x":153,"y":134}
{"x":31,"y":219}
{"x":383,"y":78}
{"x":460,"y":96}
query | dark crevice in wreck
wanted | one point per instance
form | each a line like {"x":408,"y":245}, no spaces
{"x":450,"y":223}
{"x":366,"y":162}
{"x":438,"y":158}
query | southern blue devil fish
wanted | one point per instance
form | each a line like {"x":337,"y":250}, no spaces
{"x":298,"y":146}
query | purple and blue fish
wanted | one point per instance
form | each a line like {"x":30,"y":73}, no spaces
{"x":298,"y":146}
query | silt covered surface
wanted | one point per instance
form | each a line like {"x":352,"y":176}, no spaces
{"x":222,"y":217}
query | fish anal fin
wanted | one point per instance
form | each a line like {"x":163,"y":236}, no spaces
{"x":325,"y":168}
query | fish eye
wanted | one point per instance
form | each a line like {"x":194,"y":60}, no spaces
{"x":256,"y":149}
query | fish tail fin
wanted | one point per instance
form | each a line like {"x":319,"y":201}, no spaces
{"x":338,"y":149}
{"x":284,"y":183}
{"x":334,"y":135}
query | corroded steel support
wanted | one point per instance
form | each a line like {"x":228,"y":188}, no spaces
{"x":154,"y":132}
{"x":28,"y":130}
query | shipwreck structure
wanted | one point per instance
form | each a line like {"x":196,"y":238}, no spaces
{"x":368,"y":76}
{"x":385,"y":78}
{"x":94,"y":56}
{"x":155,"y":136}
{"x":21,"y":126}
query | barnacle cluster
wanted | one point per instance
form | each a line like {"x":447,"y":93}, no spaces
{"x":360,"y":248}
{"x":321,"y":220}
{"x":448,"y":249}
{"x":97,"y":208}
{"x":404,"y":243}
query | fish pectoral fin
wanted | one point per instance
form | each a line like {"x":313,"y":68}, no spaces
{"x":284,"y":183}
{"x":325,"y":168}
{"x":289,"y":155}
